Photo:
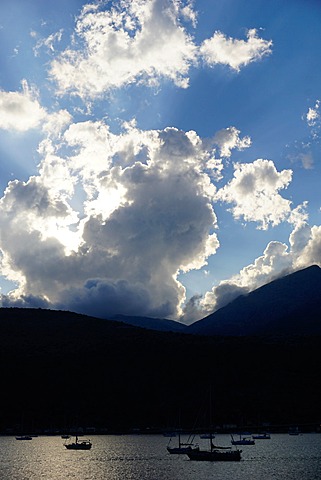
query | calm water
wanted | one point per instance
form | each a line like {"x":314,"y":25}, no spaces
{"x":143,"y":457}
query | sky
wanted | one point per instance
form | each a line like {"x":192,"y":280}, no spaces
{"x":157,"y":157}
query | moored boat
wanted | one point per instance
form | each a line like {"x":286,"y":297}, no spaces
{"x":294,"y":431}
{"x":79,"y":444}
{"x":183,"y":447}
{"x":242,"y":441}
{"x":262,"y":436}
{"x":215,"y":454}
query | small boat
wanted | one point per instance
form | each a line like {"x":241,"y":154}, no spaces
{"x":242,"y":441}
{"x":182,"y":447}
{"x":79,"y":444}
{"x":294,"y":431}
{"x":215,"y":454}
{"x":261,"y":436}
{"x":24,"y":437}
{"x":206,"y":435}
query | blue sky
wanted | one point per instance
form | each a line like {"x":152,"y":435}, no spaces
{"x":157,"y":157}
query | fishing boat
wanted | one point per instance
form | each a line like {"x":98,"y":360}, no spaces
{"x":183,"y":447}
{"x":215,"y":454}
{"x":79,"y":444}
{"x":242,"y":441}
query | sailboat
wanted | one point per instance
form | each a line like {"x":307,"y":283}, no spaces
{"x":79,"y":444}
{"x":215,"y":454}
{"x":182,"y":448}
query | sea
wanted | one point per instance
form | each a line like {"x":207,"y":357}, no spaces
{"x":144,"y":457}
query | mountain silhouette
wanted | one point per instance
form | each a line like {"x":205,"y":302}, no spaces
{"x":160,"y":324}
{"x":62,"y":369}
{"x":290,"y":305}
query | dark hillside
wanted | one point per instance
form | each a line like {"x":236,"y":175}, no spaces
{"x":290,"y":305}
{"x":59,"y":368}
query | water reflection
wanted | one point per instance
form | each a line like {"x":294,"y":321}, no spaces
{"x":145,"y":458}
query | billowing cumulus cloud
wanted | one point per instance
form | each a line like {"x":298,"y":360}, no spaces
{"x":254,"y":192}
{"x":235,"y":53}
{"x":108,"y":227}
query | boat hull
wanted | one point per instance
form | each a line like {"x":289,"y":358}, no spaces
{"x":181,"y":450}
{"x":261,"y":437}
{"x":78,"y":446}
{"x":243,"y":442}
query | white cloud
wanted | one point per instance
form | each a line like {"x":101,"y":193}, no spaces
{"x":310,"y":241}
{"x":306,"y":159}
{"x":108,"y":228}
{"x":56,"y":122}
{"x":219,"y":296}
{"x":142,"y":42}
{"x":233,"y":52}
{"x":254,"y":193}
{"x":277,"y":260}
{"x":228,"y":138}
{"x":20,"y":111}
{"x":135,"y":41}
{"x":313,"y":115}
{"x":48,"y":42}
{"x":112,"y":219}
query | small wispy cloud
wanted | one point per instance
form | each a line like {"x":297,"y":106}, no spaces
{"x":48,"y":42}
